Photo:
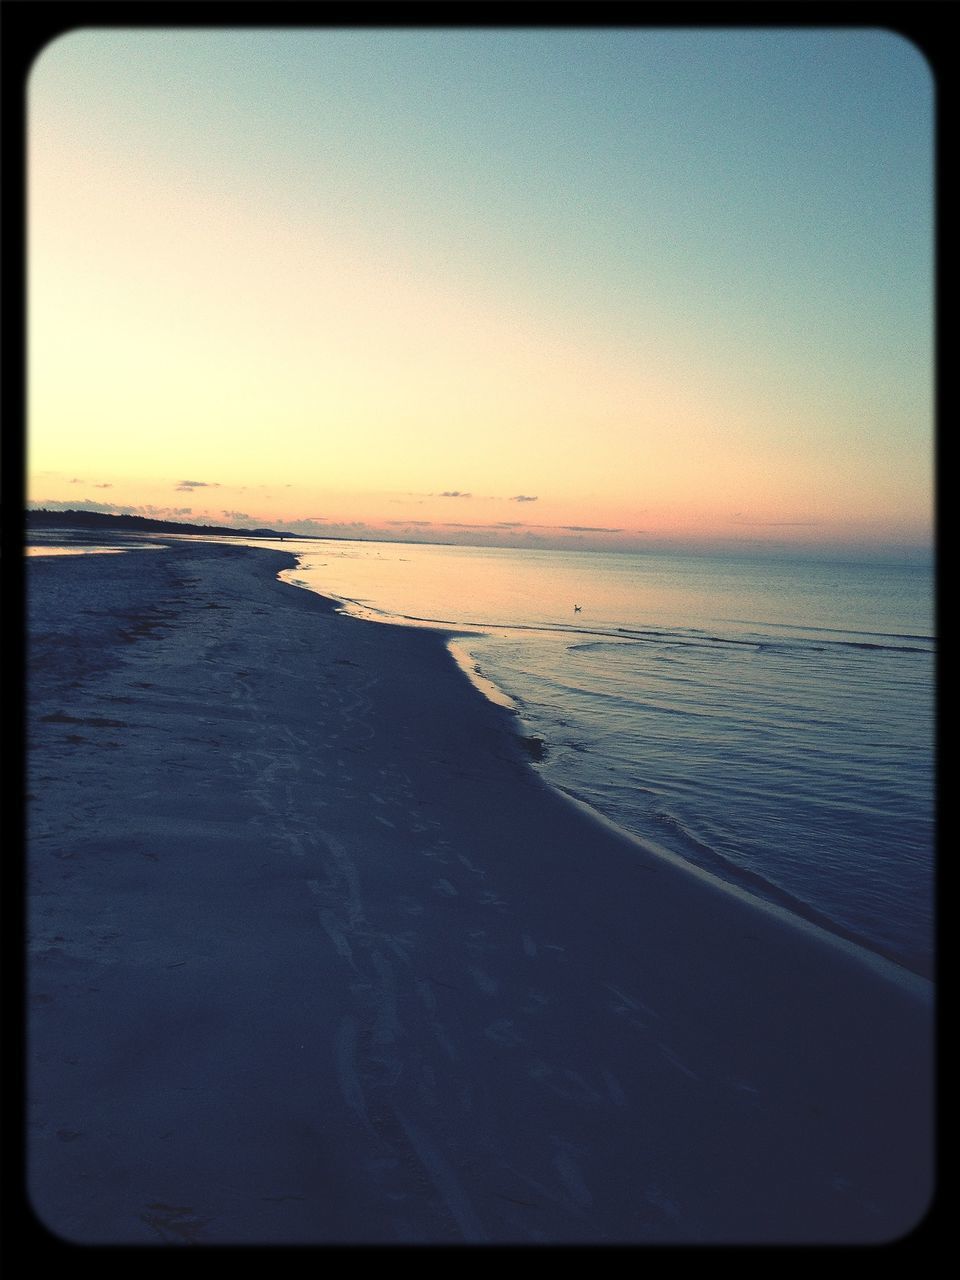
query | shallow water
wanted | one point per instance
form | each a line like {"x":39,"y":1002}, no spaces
{"x":769,"y":720}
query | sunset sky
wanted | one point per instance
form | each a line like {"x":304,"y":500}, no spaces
{"x":612,"y":287}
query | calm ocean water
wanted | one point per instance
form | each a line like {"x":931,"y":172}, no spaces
{"x":769,"y":720}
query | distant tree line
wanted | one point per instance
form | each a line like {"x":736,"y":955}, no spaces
{"x":43,"y":519}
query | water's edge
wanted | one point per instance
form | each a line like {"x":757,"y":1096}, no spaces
{"x":787,"y":910}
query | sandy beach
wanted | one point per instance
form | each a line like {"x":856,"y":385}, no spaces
{"x":316,"y":957}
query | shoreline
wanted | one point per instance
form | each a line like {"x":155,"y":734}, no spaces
{"x":872,"y":886}
{"x":317,"y":957}
{"x":764,"y":894}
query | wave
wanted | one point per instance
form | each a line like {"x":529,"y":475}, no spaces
{"x":706,"y":641}
{"x":848,"y":631}
{"x":684,"y":843}
{"x":687,"y":637}
{"x":709,"y":858}
{"x":890,"y":648}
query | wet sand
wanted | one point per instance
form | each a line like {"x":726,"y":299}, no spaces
{"x":316,"y":957}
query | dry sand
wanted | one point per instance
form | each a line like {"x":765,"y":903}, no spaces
{"x":316,"y":957}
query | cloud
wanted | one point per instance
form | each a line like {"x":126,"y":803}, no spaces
{"x":320,"y":525}
{"x":103,"y":486}
{"x":198,"y":484}
{"x":775,"y":524}
{"x":236,"y":515}
{"x":586,"y":528}
{"x":455,"y":493}
{"x":160,"y":513}
{"x":523,"y":497}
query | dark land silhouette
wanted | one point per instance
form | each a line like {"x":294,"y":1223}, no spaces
{"x":102,"y":520}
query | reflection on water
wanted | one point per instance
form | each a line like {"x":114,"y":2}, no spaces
{"x":483,"y":586}
{"x":63,"y":542}
{"x":77,"y":551}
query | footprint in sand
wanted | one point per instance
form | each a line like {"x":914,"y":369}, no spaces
{"x":502,"y":1031}
{"x":425,"y":992}
{"x":614,"y":1088}
{"x":564,"y":1083}
{"x":489,"y":899}
{"x":570,"y":1174}
{"x":437,"y":855}
{"x":623,"y":1003}
{"x":538,"y":1000}
{"x":674,"y":1061}
{"x":483,"y":980}
{"x":669,"y":1208}
{"x":172,"y":1221}
{"x":470,"y":867}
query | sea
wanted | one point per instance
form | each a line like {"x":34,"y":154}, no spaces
{"x":768,"y":719}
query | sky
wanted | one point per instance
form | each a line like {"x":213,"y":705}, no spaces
{"x":603,"y":288}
